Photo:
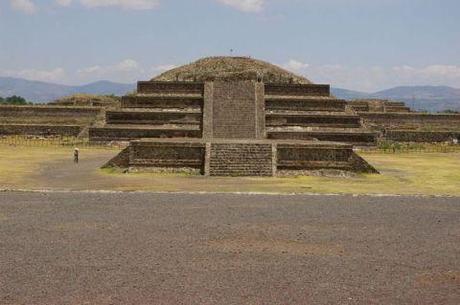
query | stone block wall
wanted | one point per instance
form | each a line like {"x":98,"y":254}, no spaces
{"x":241,"y":159}
{"x":295,"y":104}
{"x":106,"y":134}
{"x":51,"y":111}
{"x":155,"y":87}
{"x":286,"y":119}
{"x":297,"y":90}
{"x":40,"y":130}
{"x":168,"y":155}
{"x":48,"y":115}
{"x":162,"y":102}
{"x":356,"y":138}
{"x":153,"y":118}
{"x":234,"y":110}
{"x":415,"y":121}
{"x":422,"y":136}
{"x":298,"y":157}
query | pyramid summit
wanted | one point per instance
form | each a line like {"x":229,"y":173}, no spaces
{"x":233,"y":68}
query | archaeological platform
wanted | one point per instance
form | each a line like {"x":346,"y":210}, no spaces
{"x":230,"y":116}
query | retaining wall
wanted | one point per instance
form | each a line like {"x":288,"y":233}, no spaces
{"x":152,"y":118}
{"x":295,"y":104}
{"x":24,"y":111}
{"x":102,"y":134}
{"x":297,"y":90}
{"x":165,"y":102}
{"x":156,"y":87}
{"x":40,"y":130}
{"x":381,"y":121}
{"x":421,"y":136}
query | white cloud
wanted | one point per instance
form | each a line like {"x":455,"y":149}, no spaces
{"x":125,"y":4}
{"x":127,"y":65}
{"x":163,"y":68}
{"x":295,"y":66}
{"x":54,"y":75}
{"x":245,"y":5}
{"x":64,"y":2}
{"x":127,"y":70}
{"x":26,"y":6}
{"x":375,"y":78}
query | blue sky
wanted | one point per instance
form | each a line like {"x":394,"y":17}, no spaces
{"x":364,"y":45}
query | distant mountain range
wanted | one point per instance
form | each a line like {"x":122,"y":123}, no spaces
{"x":429,"y":98}
{"x":41,"y":92}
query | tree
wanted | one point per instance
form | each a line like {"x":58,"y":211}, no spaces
{"x":14,"y":100}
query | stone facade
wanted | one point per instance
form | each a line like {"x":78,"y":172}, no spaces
{"x":237,"y":110}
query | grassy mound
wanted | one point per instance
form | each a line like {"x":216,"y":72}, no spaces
{"x":211,"y":68}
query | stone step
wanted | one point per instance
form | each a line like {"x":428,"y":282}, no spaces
{"x":397,"y":109}
{"x":128,"y":133}
{"x":157,"y":87}
{"x":306,"y":119}
{"x":297,"y":90}
{"x":304,"y":104}
{"x":299,"y":165}
{"x":173,"y":163}
{"x":355,"y":137}
{"x":162,"y":102}
{"x":153,"y":117}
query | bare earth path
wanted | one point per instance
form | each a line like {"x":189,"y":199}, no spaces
{"x":147,"y":248}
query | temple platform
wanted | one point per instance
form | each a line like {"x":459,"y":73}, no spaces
{"x":239,"y":157}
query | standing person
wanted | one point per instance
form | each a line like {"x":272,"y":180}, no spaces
{"x":76,"y":155}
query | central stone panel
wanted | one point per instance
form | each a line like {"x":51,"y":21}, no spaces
{"x":236,"y":109}
{"x":241,"y":159}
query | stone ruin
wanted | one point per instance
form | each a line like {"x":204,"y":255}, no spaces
{"x":235,"y":117}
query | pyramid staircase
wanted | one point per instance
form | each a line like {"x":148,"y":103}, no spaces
{"x":158,"y":110}
{"x":312,"y":114}
{"x":175,"y":110}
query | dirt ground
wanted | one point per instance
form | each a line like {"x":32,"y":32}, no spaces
{"x":53,"y":168}
{"x":146,"y":248}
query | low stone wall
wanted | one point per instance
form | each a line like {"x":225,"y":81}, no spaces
{"x":311,"y":104}
{"x":298,"y":157}
{"x":355,"y":138}
{"x":382,"y":121}
{"x":312,"y":120}
{"x":164,"y":102}
{"x":168,"y":155}
{"x":52,"y":111}
{"x":421,"y":136}
{"x":40,"y":130}
{"x":297,"y":90}
{"x":157,"y":87}
{"x":153,"y":118}
{"x":107,"y":134}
